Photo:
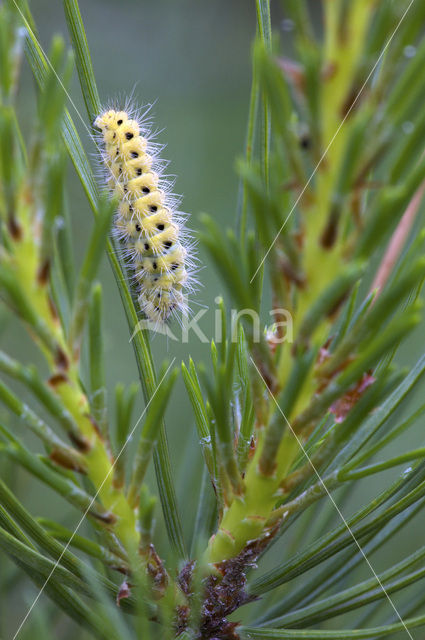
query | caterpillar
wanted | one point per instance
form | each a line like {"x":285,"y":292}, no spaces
{"x":155,"y":244}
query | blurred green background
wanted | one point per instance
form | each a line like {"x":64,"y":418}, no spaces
{"x":193,"y":58}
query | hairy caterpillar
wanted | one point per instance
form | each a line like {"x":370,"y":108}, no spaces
{"x":147,"y":224}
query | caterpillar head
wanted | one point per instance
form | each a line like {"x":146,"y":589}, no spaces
{"x":110,"y":119}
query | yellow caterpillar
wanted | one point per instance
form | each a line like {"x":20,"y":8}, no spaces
{"x":147,"y":224}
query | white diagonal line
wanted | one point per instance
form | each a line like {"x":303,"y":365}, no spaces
{"x":28,"y":26}
{"x":89,"y":131}
{"x":91,"y":503}
{"x":333,"y":138}
{"x":334,"y":503}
